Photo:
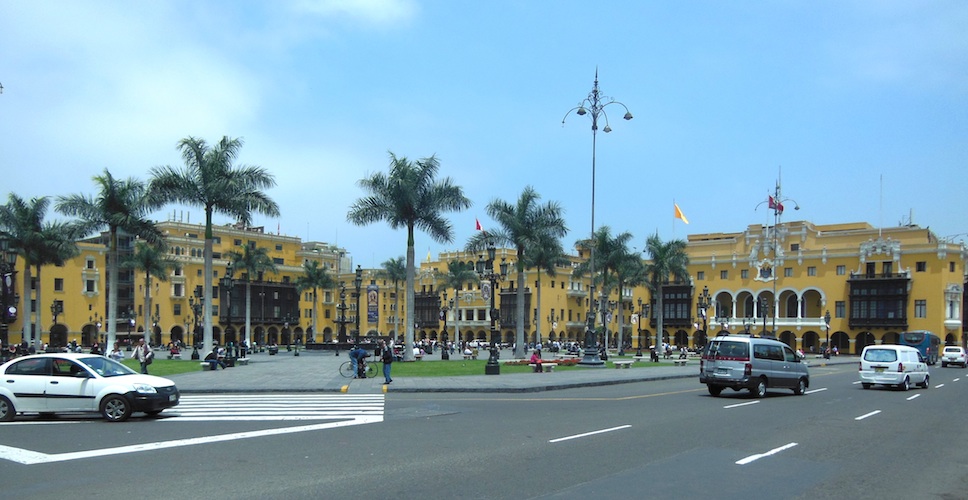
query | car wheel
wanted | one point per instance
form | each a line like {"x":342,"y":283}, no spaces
{"x":759,"y":390}
{"x":944,"y":365}
{"x":801,"y":387}
{"x":7,"y":411}
{"x":115,"y":408}
{"x":866,"y":386}
{"x":925,"y":384}
{"x":905,"y":385}
{"x":714,"y":390}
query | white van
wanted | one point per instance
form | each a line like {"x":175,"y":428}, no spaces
{"x":893,"y":365}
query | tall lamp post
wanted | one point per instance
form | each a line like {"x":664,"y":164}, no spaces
{"x":341,"y":337}
{"x":765,"y":306}
{"x":196,"y":306}
{"x":132,"y":320}
{"x":723,"y":325}
{"x":594,"y":105}
{"x":747,"y":323}
{"x":702,"y":304}
{"x":227,"y":284}
{"x":358,"y":281}
{"x":485,"y":269}
{"x":56,"y":308}
{"x":9,"y":299}
{"x":775,"y":203}
{"x":826,"y":320}
{"x":643,"y":317}
{"x":444,"y":309}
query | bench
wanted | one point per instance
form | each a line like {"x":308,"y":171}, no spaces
{"x":206,"y":366}
{"x":623,"y":364}
{"x":418,"y":357}
{"x":548,"y":367}
{"x":242,"y":361}
{"x":640,"y":359}
{"x":680,"y":362}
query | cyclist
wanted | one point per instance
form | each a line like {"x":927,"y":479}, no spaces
{"x":358,"y":358}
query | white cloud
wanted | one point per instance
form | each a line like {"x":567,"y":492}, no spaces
{"x":376,"y":12}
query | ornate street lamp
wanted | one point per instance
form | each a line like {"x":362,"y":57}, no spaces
{"x":765,"y":306}
{"x":227,"y":284}
{"x":775,"y":203}
{"x":444,"y":309}
{"x":747,"y":323}
{"x":723,"y":325}
{"x":826,"y":320}
{"x":8,"y":296}
{"x":702,"y":305}
{"x":485,"y":269}
{"x":593,"y":106}
{"x":341,"y":337}
{"x":358,"y":281}
{"x":643,"y":317}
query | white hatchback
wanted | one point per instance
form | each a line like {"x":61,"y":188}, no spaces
{"x":954,"y":355}
{"x":893,"y":365}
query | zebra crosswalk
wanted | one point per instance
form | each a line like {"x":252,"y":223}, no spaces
{"x":277,"y":407}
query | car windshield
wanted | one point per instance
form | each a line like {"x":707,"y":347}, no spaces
{"x":880,"y":355}
{"x":107,"y":367}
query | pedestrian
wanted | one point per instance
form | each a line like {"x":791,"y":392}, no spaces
{"x":213,"y":361}
{"x":356,"y":354}
{"x":387,"y":360}
{"x":536,"y":361}
{"x":143,"y":354}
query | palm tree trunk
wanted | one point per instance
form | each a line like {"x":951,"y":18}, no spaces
{"x":248,"y":312}
{"x":315,"y":314}
{"x":113,"y":267}
{"x":456,"y":337}
{"x":621,"y":317}
{"x":147,"y":311}
{"x":40,"y":329}
{"x":25,"y":310}
{"x":396,"y":308}
{"x":520,"y":346}
{"x":408,"y":338}
{"x":537,"y":318}
{"x":207,"y":286}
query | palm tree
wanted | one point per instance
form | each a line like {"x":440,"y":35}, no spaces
{"x":611,"y":252}
{"x":629,"y":272}
{"x":525,"y":226}
{"x":211,"y":181}
{"x":665,"y":259}
{"x":394,"y":270}
{"x":410,"y":196}
{"x":458,"y":273}
{"x":119,"y":206}
{"x":155,"y":262}
{"x":313,"y":278}
{"x":545,"y":258}
{"x":251,"y":261}
{"x":39,"y":243}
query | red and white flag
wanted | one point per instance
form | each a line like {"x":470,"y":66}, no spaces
{"x":775,"y":204}
{"x":477,"y":225}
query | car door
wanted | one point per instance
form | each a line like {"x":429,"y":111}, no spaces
{"x":921,"y":368}
{"x":789,"y":367}
{"x":27,"y":380}
{"x":763,"y":364}
{"x":70,"y":387}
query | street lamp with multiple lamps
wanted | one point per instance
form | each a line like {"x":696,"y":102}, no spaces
{"x":775,"y":203}
{"x":826,"y":320}
{"x":643,"y":317}
{"x":341,"y":317}
{"x":444,"y":309}
{"x":747,"y":323}
{"x":594,"y":106}
{"x":723,"y":325}
{"x":485,"y":269}
{"x":227,"y":284}
{"x":9,"y":299}
{"x":765,"y":306}
{"x":358,"y":281}
{"x":702,"y":305}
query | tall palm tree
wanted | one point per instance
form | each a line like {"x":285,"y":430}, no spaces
{"x":394,"y":270}
{"x":524,"y":226}
{"x":410,"y":196}
{"x":313,"y":278}
{"x":39,"y":243}
{"x":458,"y":273}
{"x":611,"y":252}
{"x":153,"y":259}
{"x":545,"y":258}
{"x":628,"y":272}
{"x":121,"y":205}
{"x":665,"y":259}
{"x":212,"y":181}
{"x":251,"y":261}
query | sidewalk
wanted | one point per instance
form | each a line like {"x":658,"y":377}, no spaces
{"x":317,"y":371}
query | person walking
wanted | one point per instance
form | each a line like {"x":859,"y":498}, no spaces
{"x":387,"y":360}
{"x":143,"y":354}
{"x":356,"y":354}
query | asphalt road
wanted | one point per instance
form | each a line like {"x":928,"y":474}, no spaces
{"x":659,"y":439}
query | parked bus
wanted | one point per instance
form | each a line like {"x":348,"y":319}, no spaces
{"x":924,"y":341}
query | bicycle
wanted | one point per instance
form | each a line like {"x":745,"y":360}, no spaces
{"x":346,"y":369}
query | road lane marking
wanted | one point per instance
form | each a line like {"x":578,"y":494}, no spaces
{"x":774,"y":451}
{"x":914,"y":397}
{"x":956,"y":379}
{"x":816,"y":390}
{"x":28,"y":457}
{"x":939,"y":386}
{"x":737,"y":405}
{"x":871,"y":414}
{"x":592,"y":433}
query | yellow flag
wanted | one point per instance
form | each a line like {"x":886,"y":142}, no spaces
{"x":679,"y":214}
{"x":428,"y":255}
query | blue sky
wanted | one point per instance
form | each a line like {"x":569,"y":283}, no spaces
{"x":839,"y":94}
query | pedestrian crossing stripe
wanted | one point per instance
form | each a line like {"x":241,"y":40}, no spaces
{"x":275,"y":407}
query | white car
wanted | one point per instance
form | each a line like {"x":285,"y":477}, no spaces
{"x":954,"y":355}
{"x":893,"y":365}
{"x":70,"y":383}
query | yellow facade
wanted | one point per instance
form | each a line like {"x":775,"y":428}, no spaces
{"x":813,"y":269}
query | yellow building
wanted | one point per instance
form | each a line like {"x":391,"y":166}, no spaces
{"x":875,"y":283}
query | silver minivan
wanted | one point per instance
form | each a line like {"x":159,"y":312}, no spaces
{"x":754,"y":363}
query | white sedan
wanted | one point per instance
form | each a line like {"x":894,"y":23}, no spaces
{"x":70,"y":383}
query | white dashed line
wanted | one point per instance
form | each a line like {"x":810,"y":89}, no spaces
{"x":774,"y":451}
{"x":871,"y":414}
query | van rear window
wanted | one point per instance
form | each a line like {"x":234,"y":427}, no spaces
{"x":729,"y":350}
{"x":880,"y":355}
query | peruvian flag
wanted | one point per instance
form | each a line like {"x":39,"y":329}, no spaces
{"x":776,"y":205}
{"x":477,"y":225}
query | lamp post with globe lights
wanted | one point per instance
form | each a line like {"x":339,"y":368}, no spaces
{"x":489,"y":278}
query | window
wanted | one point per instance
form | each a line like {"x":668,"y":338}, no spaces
{"x":744,"y":274}
{"x":787,"y":272}
{"x":921,"y":308}
{"x":794,"y":247}
{"x":724,"y":274}
{"x":887,"y":268}
{"x":951,"y":267}
{"x":177,"y":309}
{"x":701,"y":275}
{"x":89,"y":264}
{"x":279,"y":247}
{"x":841,"y":270}
{"x":811,"y":270}
{"x":179,"y":290}
{"x":920,"y":267}
{"x":89,"y":286}
{"x":237,"y":242}
{"x":278,"y":261}
{"x":58,"y":284}
{"x":840,"y":309}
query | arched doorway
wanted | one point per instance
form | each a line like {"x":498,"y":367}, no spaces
{"x":682,"y":338}
{"x":177,"y":335}
{"x":788,"y":338}
{"x":58,"y":335}
{"x":863,"y":339}
{"x":811,"y":342}
{"x":841,"y":341}
{"x":327,"y":334}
